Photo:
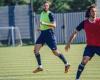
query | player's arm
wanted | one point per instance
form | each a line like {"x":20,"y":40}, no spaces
{"x":74,"y":34}
{"x":72,"y":37}
{"x":52,"y":23}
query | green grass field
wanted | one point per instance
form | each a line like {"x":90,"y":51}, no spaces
{"x":17,"y":63}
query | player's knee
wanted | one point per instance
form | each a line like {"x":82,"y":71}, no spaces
{"x":36,"y":51}
{"x":56,"y":53}
{"x":85,"y":61}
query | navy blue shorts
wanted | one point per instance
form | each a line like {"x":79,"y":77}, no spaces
{"x":48,"y":37}
{"x":91,"y":51}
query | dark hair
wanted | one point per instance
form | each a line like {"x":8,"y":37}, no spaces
{"x":87,"y":14}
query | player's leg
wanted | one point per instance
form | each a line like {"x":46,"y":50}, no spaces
{"x":51,"y":42}
{"x":38,"y":57}
{"x":38,"y":45}
{"x":88,"y":54}
{"x":82,"y":66}
{"x":98,"y":51}
{"x":61,"y":56}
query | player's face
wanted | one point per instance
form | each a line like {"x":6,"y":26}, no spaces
{"x":46,"y":6}
{"x":93,"y":13}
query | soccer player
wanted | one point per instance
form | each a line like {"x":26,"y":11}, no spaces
{"x":91,"y":26}
{"x":47,"y":25}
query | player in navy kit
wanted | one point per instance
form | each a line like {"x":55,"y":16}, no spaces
{"x":47,"y":25}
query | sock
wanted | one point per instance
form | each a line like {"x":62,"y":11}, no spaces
{"x":62,"y":58}
{"x":80,"y":70}
{"x":38,"y":58}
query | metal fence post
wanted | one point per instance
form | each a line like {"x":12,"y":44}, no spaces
{"x":12,"y":34}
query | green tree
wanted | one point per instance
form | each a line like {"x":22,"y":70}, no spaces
{"x":63,"y":5}
{"x":80,"y":5}
{"x":9,"y":2}
{"x":1,"y":2}
{"x":57,"y":5}
{"x":14,"y":2}
{"x":37,"y":5}
{"x":60,"y":5}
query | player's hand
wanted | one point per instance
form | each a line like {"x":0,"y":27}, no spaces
{"x":67,"y":47}
{"x":43,"y":23}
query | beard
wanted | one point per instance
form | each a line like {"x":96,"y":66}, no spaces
{"x":45,"y":10}
{"x":93,"y":16}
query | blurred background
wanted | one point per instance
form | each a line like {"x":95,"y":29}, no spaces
{"x":19,"y":20}
{"x":24,"y":14}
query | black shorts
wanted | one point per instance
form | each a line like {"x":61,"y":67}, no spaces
{"x":91,"y":51}
{"x":48,"y":37}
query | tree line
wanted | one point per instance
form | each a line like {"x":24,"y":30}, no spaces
{"x":56,"y":5}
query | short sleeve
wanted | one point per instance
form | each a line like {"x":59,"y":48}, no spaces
{"x":80,"y":26}
{"x":51,"y":17}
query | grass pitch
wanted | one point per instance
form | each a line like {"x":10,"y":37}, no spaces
{"x":17,"y":63}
